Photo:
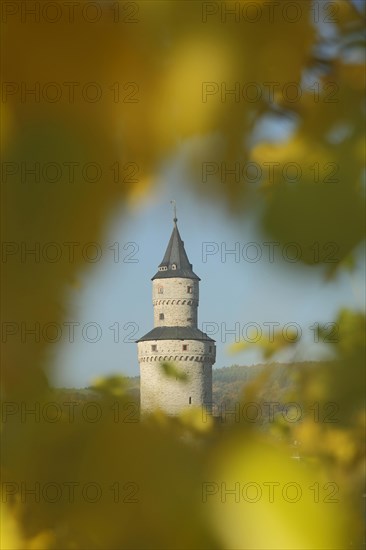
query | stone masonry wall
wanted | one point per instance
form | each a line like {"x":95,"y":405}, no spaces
{"x":173,"y":300}
{"x":169,"y":394}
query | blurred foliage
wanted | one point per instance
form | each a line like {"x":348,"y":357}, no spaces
{"x":173,"y":371}
{"x":160,"y":466}
{"x":114,"y":386}
{"x":270,"y":344}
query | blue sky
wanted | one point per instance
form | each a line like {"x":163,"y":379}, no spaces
{"x":233,"y":294}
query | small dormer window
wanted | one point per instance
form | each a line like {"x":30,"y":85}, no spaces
{"x":174,"y":266}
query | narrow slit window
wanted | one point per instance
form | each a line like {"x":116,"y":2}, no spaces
{"x":161,"y":290}
{"x":189,"y":289}
{"x":185,"y":347}
{"x":190,"y":400}
{"x":161,"y":316}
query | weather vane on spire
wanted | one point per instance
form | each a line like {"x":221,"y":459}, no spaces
{"x":175,"y":210}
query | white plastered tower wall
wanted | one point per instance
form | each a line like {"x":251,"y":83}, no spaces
{"x":175,"y":339}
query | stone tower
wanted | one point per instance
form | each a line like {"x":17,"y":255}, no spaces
{"x":175,"y":338}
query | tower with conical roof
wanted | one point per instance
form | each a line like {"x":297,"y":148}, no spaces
{"x":175,"y":339}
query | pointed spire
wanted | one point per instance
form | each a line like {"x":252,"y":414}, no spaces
{"x":175,"y":262}
{"x":175,"y":219}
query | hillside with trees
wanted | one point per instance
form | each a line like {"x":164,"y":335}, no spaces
{"x":273,"y":384}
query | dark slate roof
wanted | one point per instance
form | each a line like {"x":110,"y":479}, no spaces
{"x":175,"y":333}
{"x":176,"y":254}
